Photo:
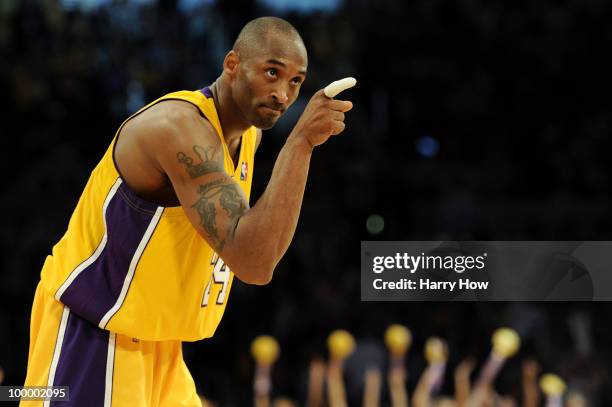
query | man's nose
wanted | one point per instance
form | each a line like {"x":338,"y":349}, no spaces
{"x":280,"y":96}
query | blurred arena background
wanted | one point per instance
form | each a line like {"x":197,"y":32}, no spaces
{"x":473,"y":119}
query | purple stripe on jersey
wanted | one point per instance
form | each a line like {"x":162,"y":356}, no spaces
{"x":97,"y":287}
{"x":82,"y":363}
{"x":207,"y":92}
{"x":135,"y":201}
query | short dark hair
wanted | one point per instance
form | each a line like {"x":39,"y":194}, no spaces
{"x":253,"y":35}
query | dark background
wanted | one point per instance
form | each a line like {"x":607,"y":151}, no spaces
{"x":473,"y":119}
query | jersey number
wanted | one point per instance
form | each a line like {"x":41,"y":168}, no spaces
{"x":220,"y":275}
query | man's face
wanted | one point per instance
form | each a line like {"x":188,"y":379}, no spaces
{"x":268,"y":81}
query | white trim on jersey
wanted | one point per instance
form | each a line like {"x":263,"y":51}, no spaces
{"x":130,"y":275}
{"x":58,"y":349}
{"x":110,"y":367}
{"x":75,"y":273}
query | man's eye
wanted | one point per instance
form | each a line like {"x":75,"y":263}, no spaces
{"x":296,"y":81}
{"x":271,"y":72}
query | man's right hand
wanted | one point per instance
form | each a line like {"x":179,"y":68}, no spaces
{"x":322,"y":118}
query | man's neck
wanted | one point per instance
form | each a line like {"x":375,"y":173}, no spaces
{"x":232,"y":121}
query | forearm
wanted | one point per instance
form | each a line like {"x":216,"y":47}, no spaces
{"x":421,"y":396}
{"x":264,"y":232}
{"x":462,"y":389}
{"x":531,"y":397}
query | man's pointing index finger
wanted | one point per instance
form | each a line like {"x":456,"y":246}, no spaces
{"x":336,"y":87}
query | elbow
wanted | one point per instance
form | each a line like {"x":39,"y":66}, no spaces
{"x":259,"y":276}
{"x":264,"y":278}
{"x":254,"y":268}
{"x":264,"y":275}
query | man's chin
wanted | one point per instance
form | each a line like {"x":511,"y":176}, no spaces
{"x":264,"y":123}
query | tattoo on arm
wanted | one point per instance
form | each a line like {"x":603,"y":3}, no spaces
{"x":207,"y":165}
{"x":229,"y":199}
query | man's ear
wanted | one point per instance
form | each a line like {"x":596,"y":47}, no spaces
{"x":230,"y":63}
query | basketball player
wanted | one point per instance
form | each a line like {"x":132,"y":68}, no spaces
{"x":164,"y":224}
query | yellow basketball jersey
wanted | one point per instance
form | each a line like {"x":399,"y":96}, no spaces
{"x":139,"y":269}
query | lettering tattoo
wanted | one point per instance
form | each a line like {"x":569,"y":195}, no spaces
{"x":227,"y":195}
{"x":207,"y":165}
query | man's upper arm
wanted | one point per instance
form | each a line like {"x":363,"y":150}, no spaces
{"x":191,"y":154}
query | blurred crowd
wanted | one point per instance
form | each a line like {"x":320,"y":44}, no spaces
{"x":473,"y":119}
{"x":386,"y":385}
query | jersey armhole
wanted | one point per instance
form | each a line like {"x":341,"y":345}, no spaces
{"x":127,"y":186}
{"x":138,"y":113}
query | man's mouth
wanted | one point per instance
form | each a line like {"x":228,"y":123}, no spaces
{"x":271,"y":111}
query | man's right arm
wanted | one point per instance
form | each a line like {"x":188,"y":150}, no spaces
{"x":251,"y":241}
